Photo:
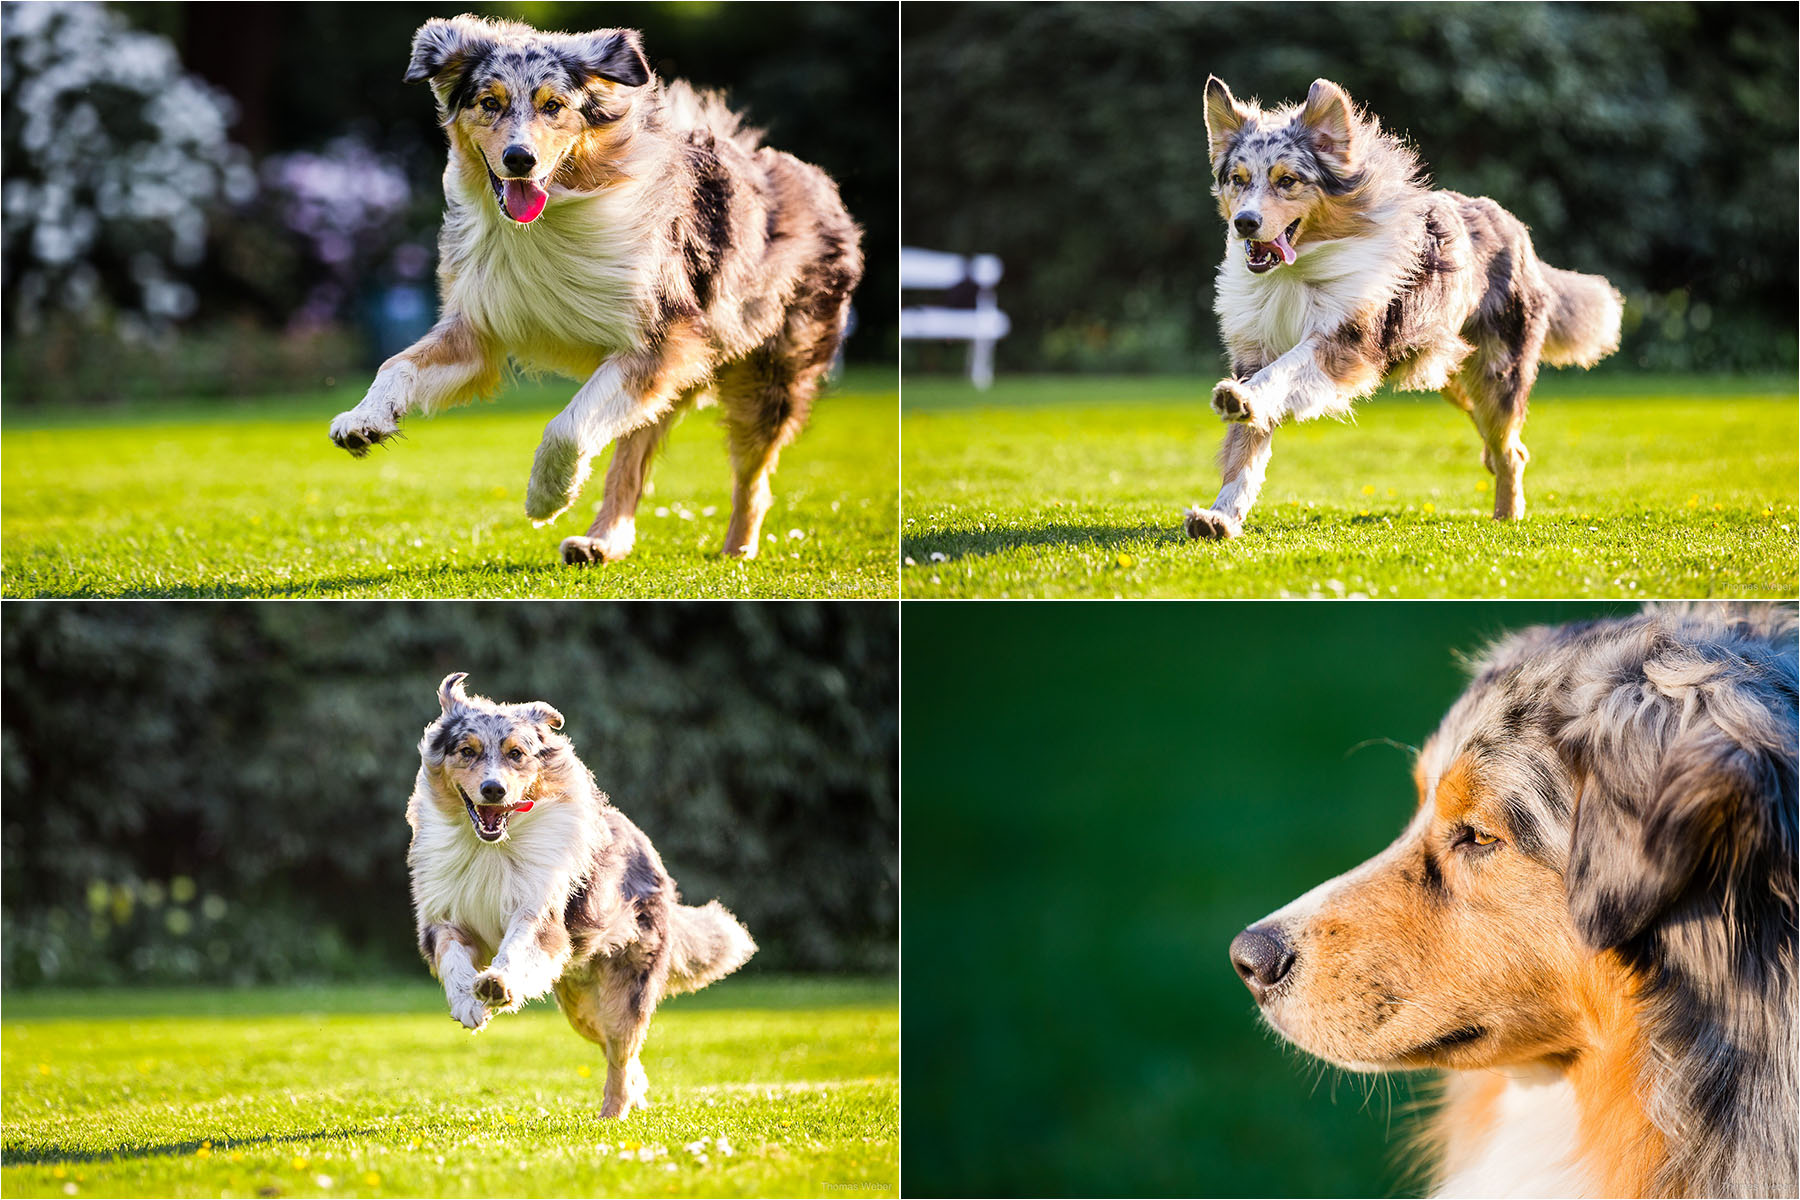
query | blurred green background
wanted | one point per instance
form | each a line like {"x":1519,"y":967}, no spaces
{"x":206,"y":201}
{"x":1652,"y":143}
{"x":1098,"y":797}
{"x":216,"y":792}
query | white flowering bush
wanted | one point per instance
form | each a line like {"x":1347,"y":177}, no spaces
{"x":112,"y":158}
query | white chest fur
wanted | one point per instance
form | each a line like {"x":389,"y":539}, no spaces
{"x":561,"y":293}
{"x":1530,"y":1150}
{"x":484,"y":886}
{"x":1264,"y":316}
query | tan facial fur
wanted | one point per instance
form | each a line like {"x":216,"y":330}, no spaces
{"x":1272,"y":164}
{"x":473,"y":762}
{"x":1452,"y":948}
{"x":546,"y":121}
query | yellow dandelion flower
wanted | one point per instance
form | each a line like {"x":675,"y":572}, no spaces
{"x":1391,"y":493}
{"x":1127,"y":561}
{"x":372,"y":1179}
{"x":203,"y":1152}
{"x":1368,"y":489}
{"x":1694,"y":501}
{"x":43,"y":1068}
{"x":511,"y":1120}
{"x":60,"y":1173}
{"x":1363,"y":513}
{"x":236,"y":1156}
{"x":1481,"y":485}
{"x":1430,"y":507}
{"x":300,"y":1164}
{"x":583,"y":1071}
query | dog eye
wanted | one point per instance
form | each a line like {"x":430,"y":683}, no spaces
{"x":553,"y":107}
{"x":1482,"y":839}
{"x":516,"y":754}
{"x":467,"y":752}
{"x":489,"y":104}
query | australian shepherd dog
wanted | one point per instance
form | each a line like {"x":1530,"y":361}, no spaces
{"x":1588,"y":924}
{"x":1343,"y":270}
{"x":634,"y":235}
{"x":526,"y":881}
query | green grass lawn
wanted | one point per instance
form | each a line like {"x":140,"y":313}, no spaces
{"x":375,"y":1092}
{"x":250,"y":499}
{"x":1638,"y":486}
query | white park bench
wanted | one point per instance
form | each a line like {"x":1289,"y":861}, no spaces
{"x":980,"y":326}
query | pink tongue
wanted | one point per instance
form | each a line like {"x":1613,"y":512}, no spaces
{"x":525,"y":200}
{"x":524,"y":805}
{"x":1286,"y":251}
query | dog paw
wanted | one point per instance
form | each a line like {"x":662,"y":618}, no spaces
{"x":584,"y":551}
{"x":492,"y":990}
{"x":358,"y":430}
{"x":557,"y":475}
{"x":470,"y":1011}
{"x":1215,"y":526}
{"x":1231,"y":400}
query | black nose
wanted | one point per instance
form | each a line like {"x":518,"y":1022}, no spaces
{"x":1262,"y":957}
{"x":1247,"y":223}
{"x":495,"y":793}
{"x":518,"y":160}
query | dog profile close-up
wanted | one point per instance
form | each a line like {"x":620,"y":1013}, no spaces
{"x":1343,"y":270}
{"x":603,"y":225}
{"x":1589,"y":923}
{"x":526,"y":881}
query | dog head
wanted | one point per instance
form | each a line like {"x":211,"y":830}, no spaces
{"x":490,"y":760}
{"x":1281,"y":177}
{"x":529,"y":111}
{"x":1606,"y":816}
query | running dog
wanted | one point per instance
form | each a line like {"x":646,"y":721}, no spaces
{"x":526,"y":881}
{"x":1343,"y":270}
{"x":604,"y":226}
{"x":1588,"y":923}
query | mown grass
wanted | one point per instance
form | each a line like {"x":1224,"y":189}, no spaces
{"x":375,"y":1092}
{"x":1659,"y":486}
{"x":250,"y":499}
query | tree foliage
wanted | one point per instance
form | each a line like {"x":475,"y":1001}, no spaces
{"x":1653,"y":143}
{"x":218,"y":790}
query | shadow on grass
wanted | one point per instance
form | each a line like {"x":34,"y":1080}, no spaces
{"x":1057,"y":535}
{"x":58,"y":1156}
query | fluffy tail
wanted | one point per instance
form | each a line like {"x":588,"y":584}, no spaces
{"x":1584,"y":318}
{"x":705,"y":944}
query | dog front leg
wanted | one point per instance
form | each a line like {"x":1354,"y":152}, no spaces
{"x":452,"y":952}
{"x":447,"y":366}
{"x":1243,"y":462}
{"x":1320,"y":377}
{"x":628,"y":392}
{"x":531,"y":959}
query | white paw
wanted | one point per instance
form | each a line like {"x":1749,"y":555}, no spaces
{"x":377,"y":418}
{"x":492,"y":990}
{"x":467,"y":1009}
{"x":1231,"y":400}
{"x":610,"y":546}
{"x":1215,"y":526}
{"x":558,"y":474}
{"x":359,"y":429}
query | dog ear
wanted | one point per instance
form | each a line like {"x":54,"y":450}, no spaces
{"x":1330,"y":120}
{"x":542,"y":714}
{"x":1224,"y":116}
{"x":615,"y":55}
{"x":450,"y":692}
{"x":442,"y":48}
{"x":1691,"y":797}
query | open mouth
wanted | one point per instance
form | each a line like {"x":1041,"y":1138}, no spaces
{"x":490,"y":819}
{"x":1266,"y":256}
{"x":522,"y":200}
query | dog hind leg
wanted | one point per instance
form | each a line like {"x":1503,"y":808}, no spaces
{"x":766,"y":398}
{"x":1497,"y":382}
{"x":614,"y":530}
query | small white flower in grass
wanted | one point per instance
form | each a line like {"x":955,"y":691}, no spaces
{"x":909,"y":561}
{"x":939,"y":556}
{"x":709,"y":510}
{"x":662,"y":510}
{"x":723,"y":1146}
{"x":323,"y":1181}
{"x":796,"y":535}
{"x":696,"y":1147}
